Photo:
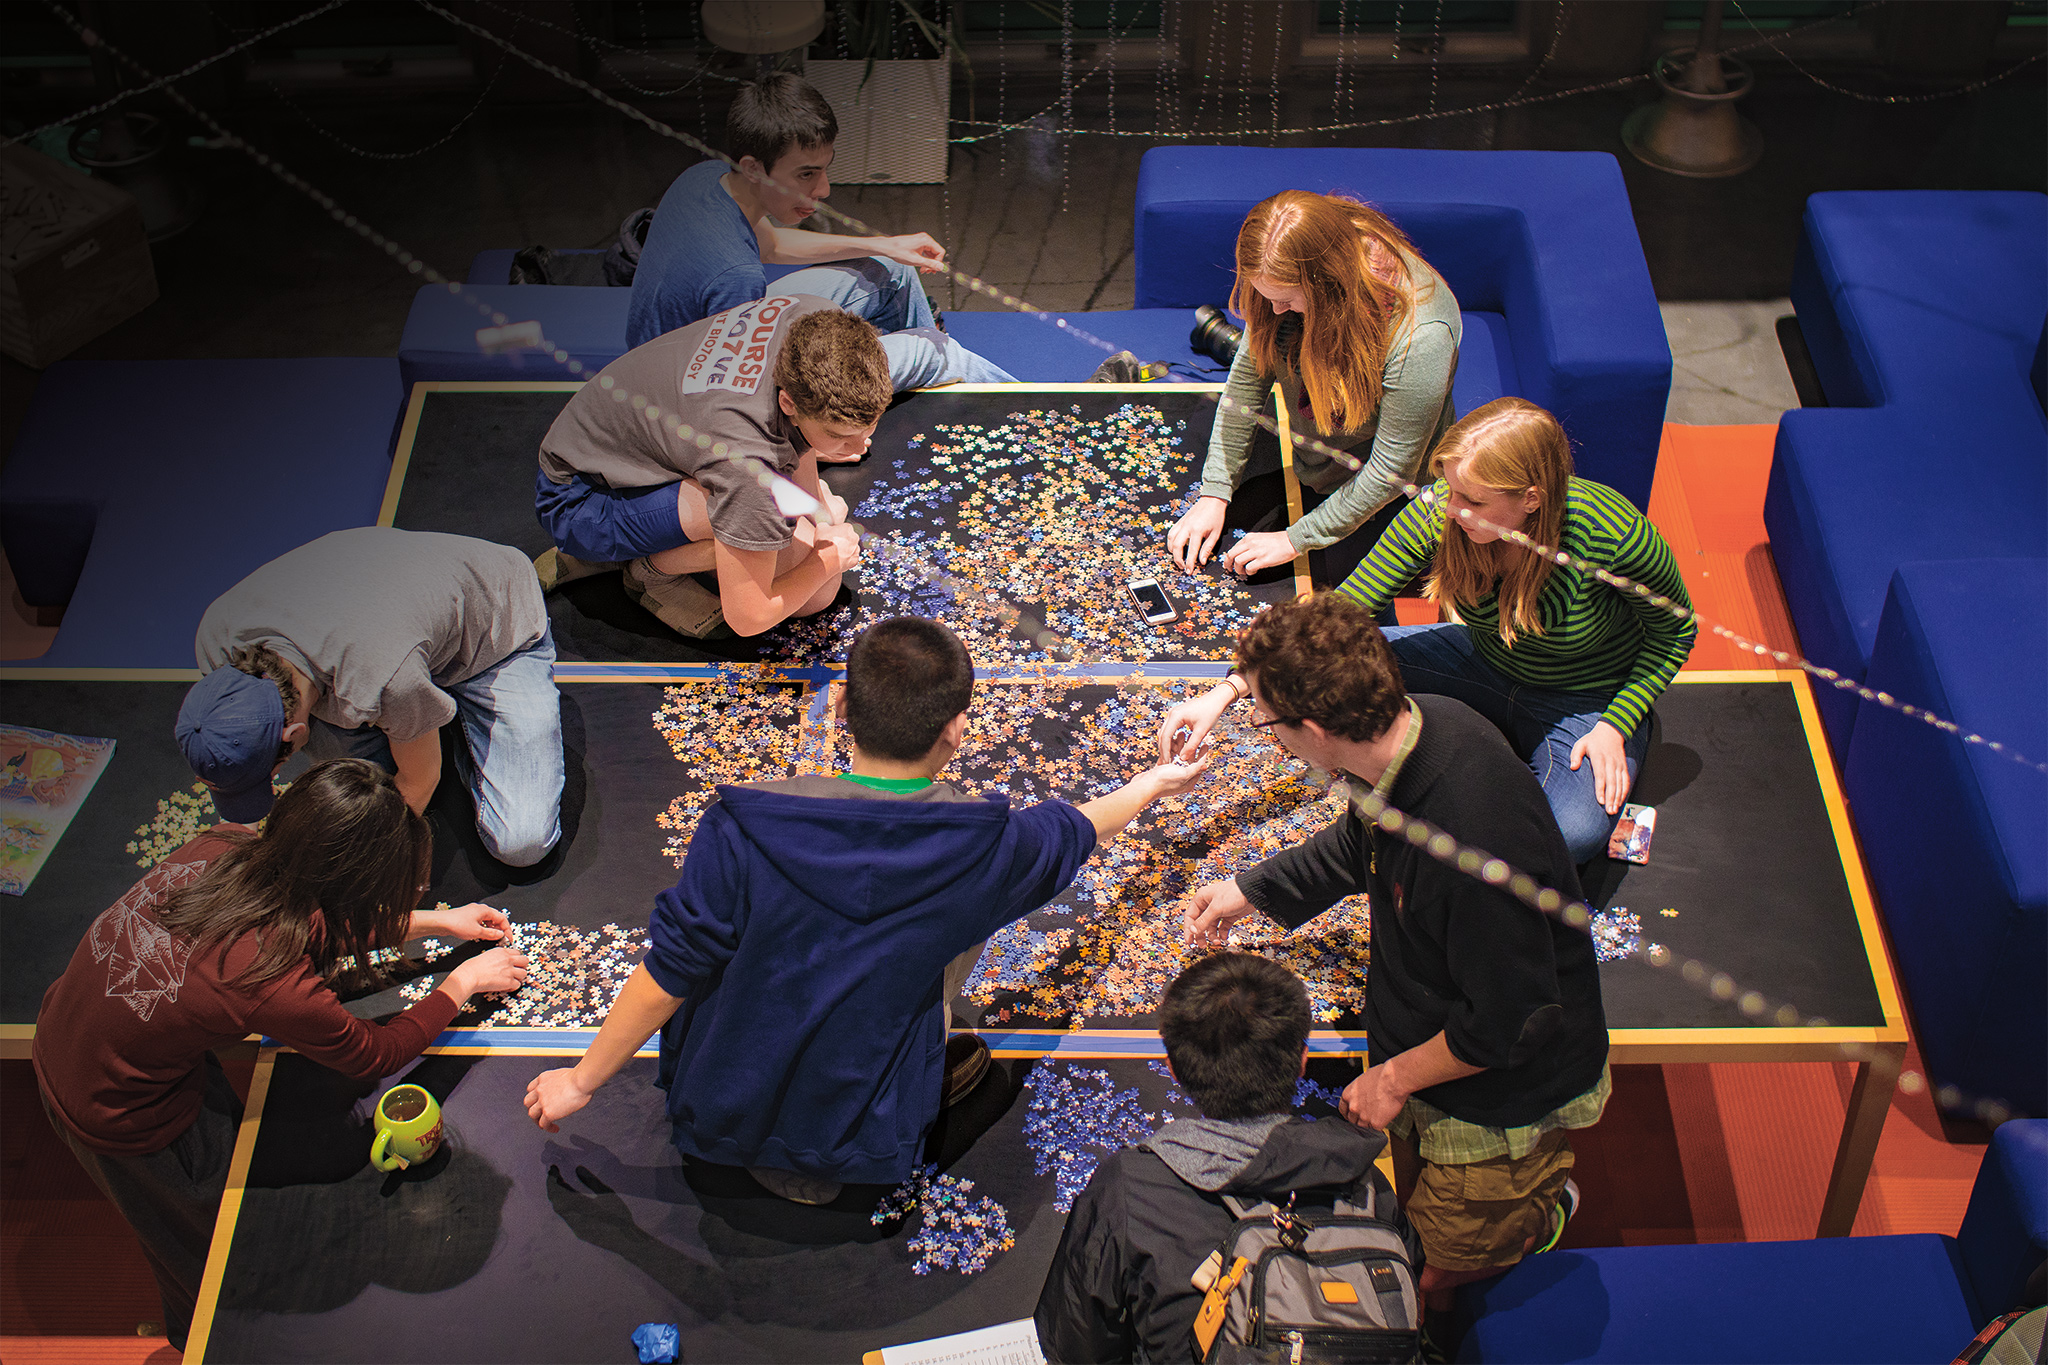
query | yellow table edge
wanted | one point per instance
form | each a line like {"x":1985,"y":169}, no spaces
{"x":230,"y":1208}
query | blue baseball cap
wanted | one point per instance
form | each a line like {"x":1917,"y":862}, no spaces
{"x":229,"y":729}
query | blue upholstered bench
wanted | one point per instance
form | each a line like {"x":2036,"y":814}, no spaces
{"x":1923,"y":312}
{"x":439,"y":342}
{"x":1956,"y":837}
{"x":1540,"y":248}
{"x":140,"y":490}
{"x":1915,"y":1298}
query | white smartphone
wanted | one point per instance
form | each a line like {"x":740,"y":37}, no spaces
{"x":1153,"y":603}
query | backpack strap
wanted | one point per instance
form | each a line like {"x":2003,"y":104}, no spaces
{"x":1393,"y":1307}
{"x":1241,"y":1210}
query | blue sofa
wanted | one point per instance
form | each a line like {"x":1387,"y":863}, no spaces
{"x":1955,"y":837}
{"x":1923,"y":312}
{"x":1908,"y":520}
{"x":1542,"y":241}
{"x":1540,"y":248}
{"x":140,"y":490}
{"x":1856,"y":1300}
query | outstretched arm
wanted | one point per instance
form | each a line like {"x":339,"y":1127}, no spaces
{"x":642,"y":1007}
{"x":1109,"y":814}
{"x":799,"y":246}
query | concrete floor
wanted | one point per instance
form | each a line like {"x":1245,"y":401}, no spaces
{"x":264,"y":272}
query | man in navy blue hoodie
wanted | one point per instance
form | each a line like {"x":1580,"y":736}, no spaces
{"x":801,"y":970}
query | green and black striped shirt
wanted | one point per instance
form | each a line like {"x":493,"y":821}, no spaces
{"x":1595,"y":638}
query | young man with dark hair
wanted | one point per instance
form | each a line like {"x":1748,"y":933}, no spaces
{"x":802,"y":969}
{"x":698,"y":453}
{"x":1236,"y":1033}
{"x":722,"y":228}
{"x":1484,"y":1015}
{"x":363,"y":644}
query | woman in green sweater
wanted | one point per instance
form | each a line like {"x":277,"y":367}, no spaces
{"x":1566,"y":666}
{"x":1363,"y":338}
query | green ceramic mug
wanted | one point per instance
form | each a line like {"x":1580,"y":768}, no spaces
{"x":408,"y":1128}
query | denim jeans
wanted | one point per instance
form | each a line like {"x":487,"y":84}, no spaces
{"x":511,"y":757}
{"x":887,"y":293}
{"x":1541,"y":724}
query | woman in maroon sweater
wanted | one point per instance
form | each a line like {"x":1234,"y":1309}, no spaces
{"x":234,"y":934}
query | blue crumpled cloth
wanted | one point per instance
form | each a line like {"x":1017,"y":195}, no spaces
{"x":657,"y":1341}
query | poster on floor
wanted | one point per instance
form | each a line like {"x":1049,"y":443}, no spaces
{"x":44,"y":779}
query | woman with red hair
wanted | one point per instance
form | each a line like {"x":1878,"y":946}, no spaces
{"x":1363,"y":338}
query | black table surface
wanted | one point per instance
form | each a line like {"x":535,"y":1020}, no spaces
{"x":471,"y":469}
{"x":524,"y":1246}
{"x":1744,"y":850}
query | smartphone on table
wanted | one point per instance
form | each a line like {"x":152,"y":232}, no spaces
{"x":1153,"y":603}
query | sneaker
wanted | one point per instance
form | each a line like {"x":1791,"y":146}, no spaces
{"x":797,"y":1189}
{"x":554,"y":567}
{"x":967,"y":1059}
{"x":1561,"y":1214}
{"x":677,"y":600}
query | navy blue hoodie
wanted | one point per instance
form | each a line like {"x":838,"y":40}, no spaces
{"x":808,"y":937}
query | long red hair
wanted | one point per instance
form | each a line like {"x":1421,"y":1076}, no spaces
{"x":1324,"y":245}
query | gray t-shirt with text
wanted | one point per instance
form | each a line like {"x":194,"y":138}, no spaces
{"x":718,"y":376}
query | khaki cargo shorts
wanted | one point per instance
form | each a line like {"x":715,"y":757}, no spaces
{"x":1478,"y":1215}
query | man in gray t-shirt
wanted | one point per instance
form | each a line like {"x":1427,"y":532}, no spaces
{"x":698,"y":453}
{"x":365,"y":643}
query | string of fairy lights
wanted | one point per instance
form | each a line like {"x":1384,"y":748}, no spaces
{"x":1556,"y":554}
{"x":1435,"y":842}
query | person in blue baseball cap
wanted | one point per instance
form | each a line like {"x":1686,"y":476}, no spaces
{"x":234,"y":732}
{"x":366,"y":643}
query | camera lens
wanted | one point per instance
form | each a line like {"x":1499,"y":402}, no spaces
{"x":1214,"y":336}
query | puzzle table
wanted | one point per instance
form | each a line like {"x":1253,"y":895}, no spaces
{"x":319,"y":1257}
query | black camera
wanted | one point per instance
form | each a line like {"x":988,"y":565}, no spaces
{"x":1214,"y":335}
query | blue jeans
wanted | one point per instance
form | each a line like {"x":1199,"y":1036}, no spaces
{"x":607,"y":525}
{"x":511,"y":758}
{"x":1541,"y":724}
{"x":887,"y":293}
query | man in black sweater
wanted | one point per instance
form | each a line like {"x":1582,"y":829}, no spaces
{"x":1483,"y":1014}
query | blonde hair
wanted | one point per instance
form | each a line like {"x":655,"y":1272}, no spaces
{"x":1322,"y":244}
{"x":1508,"y":446}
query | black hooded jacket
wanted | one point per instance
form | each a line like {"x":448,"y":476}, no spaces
{"x":1118,"y":1288}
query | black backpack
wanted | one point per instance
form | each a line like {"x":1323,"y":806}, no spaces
{"x":615,"y":265}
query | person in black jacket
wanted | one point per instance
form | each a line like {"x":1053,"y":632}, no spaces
{"x":1483,"y":1014}
{"x":1236,"y":1033}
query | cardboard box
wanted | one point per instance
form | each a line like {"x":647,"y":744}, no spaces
{"x":74,"y":259}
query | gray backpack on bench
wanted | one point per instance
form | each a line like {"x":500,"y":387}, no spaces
{"x":1307,"y":1285}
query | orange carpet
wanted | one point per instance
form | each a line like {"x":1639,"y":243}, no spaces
{"x":87,"y":1351}
{"x":1741,"y":1152}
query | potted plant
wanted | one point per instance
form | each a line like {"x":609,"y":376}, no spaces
{"x":892,"y":92}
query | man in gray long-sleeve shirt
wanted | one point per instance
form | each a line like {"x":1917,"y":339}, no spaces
{"x":365,"y":643}
{"x":1484,"y":1015}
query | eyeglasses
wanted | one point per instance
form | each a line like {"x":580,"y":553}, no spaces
{"x":1269,"y":721}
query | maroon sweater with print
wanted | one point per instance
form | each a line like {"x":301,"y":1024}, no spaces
{"x":122,"y":1036}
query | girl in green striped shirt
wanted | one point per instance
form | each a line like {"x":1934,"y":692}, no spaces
{"x":1566,"y":667}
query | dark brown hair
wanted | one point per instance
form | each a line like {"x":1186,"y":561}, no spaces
{"x":906,"y":677}
{"x":774,"y":114}
{"x":1321,"y":658}
{"x":261,"y":661}
{"x":1234,"y":1026}
{"x":833,"y":368}
{"x":342,"y":843}
{"x":1327,"y":245}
